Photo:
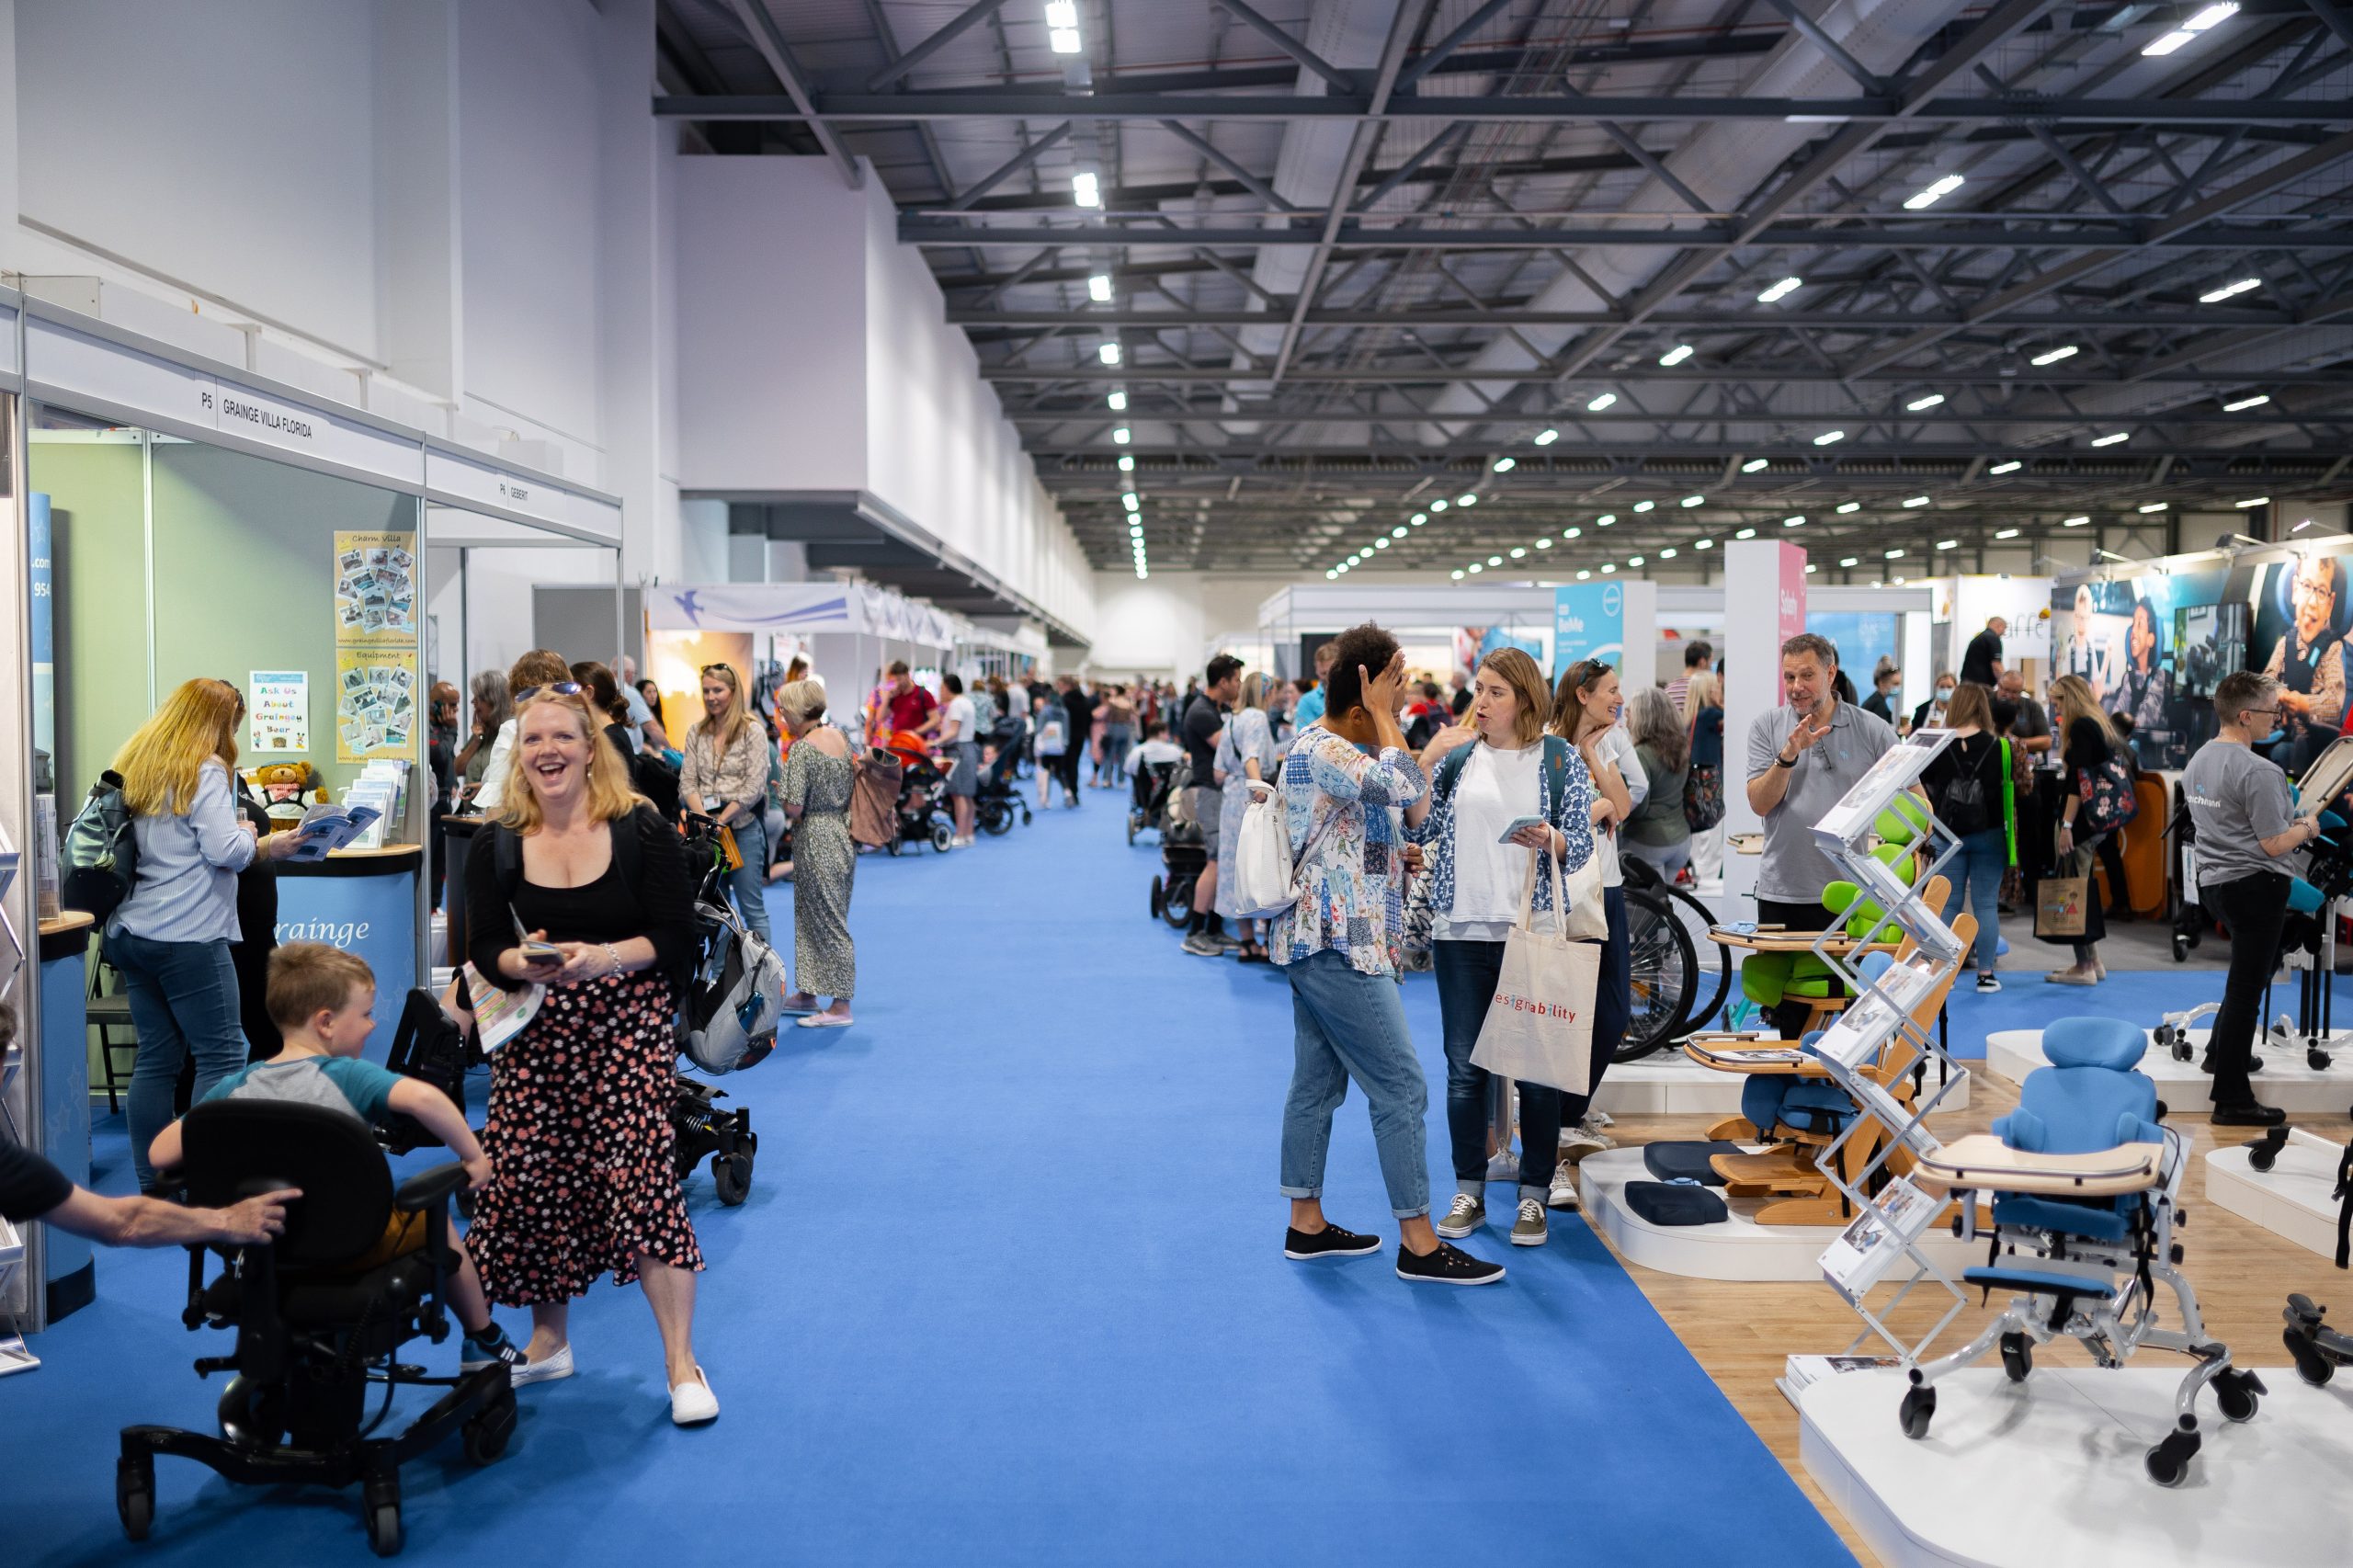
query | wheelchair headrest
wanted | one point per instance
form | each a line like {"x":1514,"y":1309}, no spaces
{"x":235,"y":1149}
{"x":1874,"y":965}
{"x":2113,"y":1043}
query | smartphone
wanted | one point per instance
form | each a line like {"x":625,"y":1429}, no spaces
{"x":534,"y":951}
{"x":1518,"y":824}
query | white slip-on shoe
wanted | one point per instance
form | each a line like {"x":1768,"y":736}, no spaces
{"x":693,"y":1403}
{"x":826,"y":1021}
{"x":545,"y":1370}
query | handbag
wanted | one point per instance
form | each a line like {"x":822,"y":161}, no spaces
{"x":1263,"y":882}
{"x":1054,"y":737}
{"x":1539,"y":1027}
{"x":1583,"y":918}
{"x":2109,"y":797}
{"x":1703,"y":798}
{"x":2058,"y":907}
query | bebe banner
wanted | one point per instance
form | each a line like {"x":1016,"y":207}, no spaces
{"x":1539,"y":1027}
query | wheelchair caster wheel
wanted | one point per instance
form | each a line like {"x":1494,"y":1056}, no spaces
{"x":382,"y":1506}
{"x":2236,"y":1392}
{"x":941,"y":836}
{"x":1133,"y":825}
{"x":2164,"y":1034}
{"x":134,"y":1495}
{"x":1919,"y":1408}
{"x":485,"y":1434}
{"x":732,"y":1174}
{"x":2180,"y":1049}
{"x":2169,"y":1460}
{"x":2317,"y":1059}
{"x":2018,"y":1357}
{"x":2181,"y":950}
{"x":1159,"y":897}
{"x":2311,"y":1365}
{"x":2264,"y":1152}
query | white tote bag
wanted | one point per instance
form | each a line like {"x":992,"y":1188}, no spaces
{"x":1539,"y":1027}
{"x":1583,"y":918}
{"x":1264,"y":883}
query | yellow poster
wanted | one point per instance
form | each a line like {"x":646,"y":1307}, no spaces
{"x":375,"y":703}
{"x":375,"y":587}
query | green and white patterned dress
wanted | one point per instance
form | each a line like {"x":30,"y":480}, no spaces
{"x":825,"y":861}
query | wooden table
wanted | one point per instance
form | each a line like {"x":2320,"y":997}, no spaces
{"x":1794,"y":942}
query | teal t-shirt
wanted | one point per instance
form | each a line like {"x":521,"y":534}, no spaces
{"x":1310,"y":708}
{"x":337,"y":1083}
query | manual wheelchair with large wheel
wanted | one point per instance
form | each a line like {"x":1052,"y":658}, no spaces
{"x":317,"y":1321}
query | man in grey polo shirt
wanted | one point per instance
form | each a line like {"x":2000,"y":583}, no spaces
{"x":1802,"y":758}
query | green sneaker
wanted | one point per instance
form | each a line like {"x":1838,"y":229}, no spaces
{"x":1467,"y":1215}
{"x":1529,"y":1230}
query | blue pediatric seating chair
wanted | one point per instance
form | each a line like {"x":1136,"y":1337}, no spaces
{"x":2086,"y":1190}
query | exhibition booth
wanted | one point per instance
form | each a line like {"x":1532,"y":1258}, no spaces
{"x":184,"y":518}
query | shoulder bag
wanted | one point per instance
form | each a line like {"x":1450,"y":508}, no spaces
{"x":1538,"y":1028}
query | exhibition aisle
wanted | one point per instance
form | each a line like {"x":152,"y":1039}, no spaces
{"x":1008,"y":1289}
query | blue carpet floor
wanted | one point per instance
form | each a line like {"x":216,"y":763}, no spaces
{"x":1008,"y":1289}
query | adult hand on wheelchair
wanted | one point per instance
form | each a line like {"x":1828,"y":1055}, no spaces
{"x":256,"y":1220}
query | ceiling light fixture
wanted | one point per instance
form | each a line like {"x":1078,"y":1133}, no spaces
{"x":1829,"y":438}
{"x":1519,"y":552}
{"x":1120,"y":435}
{"x":1894,"y":554}
{"x":1505,"y":465}
{"x":2230,"y":290}
{"x":1399,"y":531}
{"x":1495,"y":561}
{"x":1604,"y":520}
{"x":1755,"y":465}
{"x":2155,"y":505}
{"x":1917,"y":501}
{"x":1601,"y":402}
{"x":1126,"y":462}
{"x":1847,"y":561}
{"x":1098,"y":288}
{"x":1798,"y":522}
{"x":1922,"y":404}
{"x":1585,"y":576}
{"x":1607,"y":567}
{"x":1781,"y":291}
{"x":1633,"y":561}
{"x":1694,"y":500}
{"x":1543,"y":544}
{"x":1667,"y":554}
{"x":1380,"y":543}
{"x":2010,"y":467}
{"x":1929,"y":196}
{"x":1438,"y":505}
{"x":1703,"y":544}
{"x":1418,"y":518}
{"x":1458,"y":573}
{"x":2119,"y":436}
{"x":2252,"y":501}
{"x":1546,"y":437}
{"x":2073,"y":522}
{"x":1061,"y":26}
{"x":1645,"y":505}
{"x":2052,"y":356}
{"x":1475,"y":568}
{"x":1468,"y":498}
{"x":1948,"y":544}
{"x":1675,"y":356}
{"x":1109,"y":353}
{"x":1118,"y":402}
{"x":1845,"y":508}
{"x":2212,"y":16}
{"x":1087,"y":188}
{"x":2005,"y":533}
{"x":1573,"y":533}
{"x":2258,"y":400}
{"x":1745,"y":533}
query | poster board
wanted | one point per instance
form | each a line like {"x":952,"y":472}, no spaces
{"x":279,"y":711}
{"x":377,"y":697}
{"x":375,"y":587}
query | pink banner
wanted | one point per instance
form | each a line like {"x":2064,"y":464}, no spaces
{"x":1792,"y":607}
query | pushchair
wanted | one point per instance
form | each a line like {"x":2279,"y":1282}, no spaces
{"x":1182,"y":858}
{"x":923,"y":796}
{"x":727,"y":991}
{"x":999,"y":800}
{"x":1148,"y":796}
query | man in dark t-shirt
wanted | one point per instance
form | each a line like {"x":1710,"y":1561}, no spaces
{"x":1204,"y":723}
{"x":1981,"y":664}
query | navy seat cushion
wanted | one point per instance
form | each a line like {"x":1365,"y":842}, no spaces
{"x":1664,"y":1205}
{"x":1687,"y":1157}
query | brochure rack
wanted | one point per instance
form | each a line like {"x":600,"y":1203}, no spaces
{"x":16,"y":1113}
{"x":1892,"y":1213}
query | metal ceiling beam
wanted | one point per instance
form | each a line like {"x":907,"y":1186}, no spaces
{"x":761,"y":29}
{"x":1209,"y":150}
{"x":1952,"y":234}
{"x":2090,"y":316}
{"x":1288,"y":44}
{"x":1010,"y":167}
{"x":969,"y":17}
{"x":1412,"y":375}
{"x":1436,"y":54}
{"x":1815,"y":35}
{"x":842,"y":109}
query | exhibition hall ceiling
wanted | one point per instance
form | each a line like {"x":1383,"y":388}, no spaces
{"x":1294,"y":285}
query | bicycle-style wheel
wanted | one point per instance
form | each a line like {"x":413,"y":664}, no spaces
{"x":1663,"y":966}
{"x":1710,"y":992}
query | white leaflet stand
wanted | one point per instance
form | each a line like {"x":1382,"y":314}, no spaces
{"x":2287,"y":1079}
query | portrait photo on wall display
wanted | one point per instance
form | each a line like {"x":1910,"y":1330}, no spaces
{"x":2300,"y":619}
{"x":2152,"y":646}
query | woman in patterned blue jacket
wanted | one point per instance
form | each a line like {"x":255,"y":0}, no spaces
{"x":1478,"y":882}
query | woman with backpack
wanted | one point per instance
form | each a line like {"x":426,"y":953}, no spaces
{"x":726,"y":777}
{"x":578,"y":1130}
{"x":170,"y":936}
{"x":2089,"y":812}
{"x":1970,"y":789}
{"x":1484,"y":775}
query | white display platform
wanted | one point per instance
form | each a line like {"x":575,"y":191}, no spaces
{"x":1667,"y":1082}
{"x":2291,"y":1199}
{"x":2050,"y":1470}
{"x":2287,"y":1079}
{"x":1735,"y":1248}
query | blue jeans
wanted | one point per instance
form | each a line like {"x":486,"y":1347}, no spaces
{"x":1976,"y":875}
{"x":1467,"y":973}
{"x":183,"y":998}
{"x":749,"y":883}
{"x":1346,"y":1025}
{"x":1117,"y":740}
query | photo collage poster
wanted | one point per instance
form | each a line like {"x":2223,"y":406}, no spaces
{"x":2155,"y":645}
{"x":375,"y":689}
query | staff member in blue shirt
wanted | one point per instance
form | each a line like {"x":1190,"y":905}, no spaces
{"x":1311,"y":706}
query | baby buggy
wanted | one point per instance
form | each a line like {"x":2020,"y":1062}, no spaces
{"x":1182,"y":858}
{"x":923,"y":796}
{"x":1148,"y":796}
{"x":734,"y":1002}
{"x":999,"y":800}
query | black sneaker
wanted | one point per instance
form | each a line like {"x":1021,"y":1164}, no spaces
{"x":1329,"y":1241}
{"x":1447,"y":1265}
{"x":2248,"y":1115}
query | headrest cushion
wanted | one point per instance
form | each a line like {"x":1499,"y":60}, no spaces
{"x":1874,"y":965}
{"x":2113,"y":1043}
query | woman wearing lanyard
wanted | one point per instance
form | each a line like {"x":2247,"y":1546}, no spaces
{"x":1508,"y":770}
{"x":1584,"y":713}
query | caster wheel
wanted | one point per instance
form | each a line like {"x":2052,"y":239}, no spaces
{"x":2264,"y":1152}
{"x":134,"y":1495}
{"x":380,"y":1508}
{"x":2168,"y":1462}
{"x":1159,"y":897}
{"x":2018,"y":1357}
{"x":2164,"y":1034}
{"x":732,"y":1175}
{"x":2317,"y":1059}
{"x":2180,"y":1050}
{"x":1919,"y":1408}
{"x":2236,"y":1392}
{"x":485,"y":1434}
{"x":2181,"y":950}
{"x":1131,"y":833}
{"x":941,"y":836}
{"x":2311,"y":1365}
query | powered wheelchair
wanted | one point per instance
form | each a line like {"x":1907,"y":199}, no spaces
{"x":2086,"y":1190}
{"x":316,"y":1319}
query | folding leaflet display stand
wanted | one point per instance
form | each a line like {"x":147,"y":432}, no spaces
{"x":1888,"y":1224}
{"x":15,"y":1283}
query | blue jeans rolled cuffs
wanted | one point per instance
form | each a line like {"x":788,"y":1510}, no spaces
{"x":1348,"y":1025}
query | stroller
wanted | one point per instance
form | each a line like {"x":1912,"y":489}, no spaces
{"x":728,"y":1023}
{"x":1148,"y":789}
{"x":1182,"y":858}
{"x":923,"y":796}
{"x":999,"y":800}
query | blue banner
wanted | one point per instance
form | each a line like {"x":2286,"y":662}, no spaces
{"x":43,"y":584}
{"x":1589,"y":622}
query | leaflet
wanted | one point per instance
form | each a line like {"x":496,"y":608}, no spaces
{"x":500,"y":1013}
{"x":326,"y":829}
{"x":1866,"y":1249}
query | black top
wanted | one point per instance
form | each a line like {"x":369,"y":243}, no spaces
{"x":1879,"y":705}
{"x":29,"y":1185}
{"x":441,"y":756}
{"x":1203,"y":720}
{"x":660,"y":907}
{"x":1461,"y":700}
{"x":1081,"y":708}
{"x":2086,"y":748}
{"x":1983,"y":652}
{"x":1980,"y":753}
{"x":1708,"y":737}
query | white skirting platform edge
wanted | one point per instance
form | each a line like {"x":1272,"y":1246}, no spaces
{"x":1667,"y":1082}
{"x":2287,"y":1079}
{"x":1735,"y":1248}
{"x":2050,"y":1470}
{"x":2291,"y":1199}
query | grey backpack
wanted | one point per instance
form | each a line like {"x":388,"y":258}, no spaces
{"x":100,"y":861}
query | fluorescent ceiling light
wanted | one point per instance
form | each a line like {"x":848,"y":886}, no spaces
{"x":1109,"y":353}
{"x":1929,"y":196}
{"x":1458,"y":573}
{"x":1604,"y":520}
{"x":1572,"y":533}
{"x":1546,"y":437}
{"x":2010,"y":467}
{"x":1118,"y":402}
{"x":1847,"y":561}
{"x":1585,"y":576}
{"x":1121,"y":435}
{"x":1798,"y":522}
{"x":2073,"y":522}
{"x":1599,"y":404}
{"x":2170,"y":42}
{"x":1438,"y":505}
{"x":1126,"y":462}
{"x":2052,"y":356}
{"x":2216,"y":296}
{"x":1476,"y":567}
{"x":1468,"y":498}
{"x":1745,"y":533}
{"x":1667,"y":554}
{"x":1380,"y":543}
{"x":2212,"y":16}
{"x":1781,"y":291}
{"x":1062,"y":13}
{"x":1755,"y":465}
{"x":1335,"y":573}
{"x":1132,"y":501}
{"x":1948,"y":544}
{"x":2112,"y":440}
{"x":1894,"y":554}
{"x":1917,"y":501}
{"x":1829,"y":438}
{"x":1495,"y":561}
{"x":1607,"y":567}
{"x":1922,"y":404}
{"x":1633,"y":561}
{"x":1675,"y":356}
{"x":1518,"y":552}
{"x":1099,"y":287}
{"x":1847,"y":506}
{"x":1694,"y":500}
{"x":1087,"y":188}
{"x":1703,"y":544}
{"x":1645,"y":505}
{"x":1810,"y":568}
{"x":2152,"y":506}
{"x":2005,"y":533}
{"x":1505,"y":465}
{"x":1418,"y":518}
{"x":1400,"y":531}
{"x":2258,"y":400}
{"x":1543,"y":544}
{"x":2252,"y":501}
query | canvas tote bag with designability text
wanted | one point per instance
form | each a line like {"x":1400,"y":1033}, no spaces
{"x":1539,"y":1027}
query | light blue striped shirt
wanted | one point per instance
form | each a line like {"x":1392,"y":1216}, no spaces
{"x":187,"y":890}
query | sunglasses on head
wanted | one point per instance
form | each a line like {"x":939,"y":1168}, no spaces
{"x":559,"y":688}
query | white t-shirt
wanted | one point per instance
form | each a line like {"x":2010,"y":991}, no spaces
{"x":494,"y":773}
{"x":1154,"y":750}
{"x":966,"y":720}
{"x":1619,"y":747}
{"x":1490,"y":877}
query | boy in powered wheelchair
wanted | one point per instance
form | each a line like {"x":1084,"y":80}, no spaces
{"x":360,"y":1269}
